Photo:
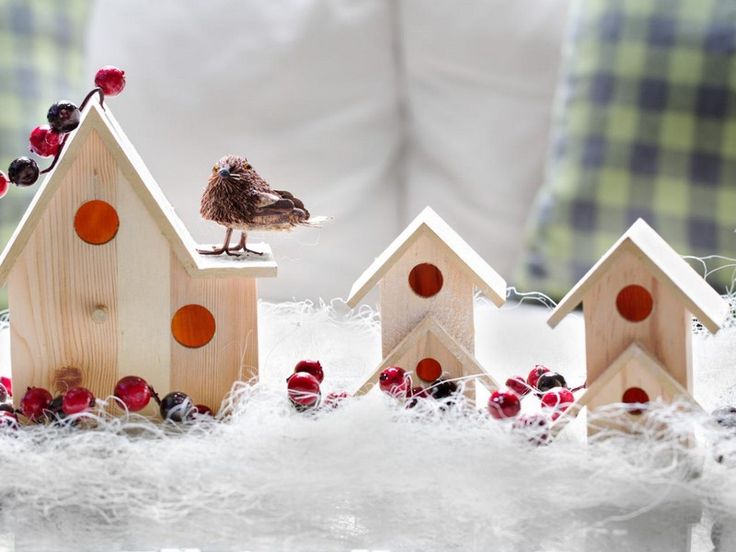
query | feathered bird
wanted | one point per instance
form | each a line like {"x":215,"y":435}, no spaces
{"x":237,"y":198}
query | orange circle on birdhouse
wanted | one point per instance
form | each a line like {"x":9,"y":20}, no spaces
{"x":428,"y":369}
{"x":426,"y":280}
{"x":634,"y":303}
{"x":96,"y":222}
{"x":635,"y":395}
{"x":193,"y":326}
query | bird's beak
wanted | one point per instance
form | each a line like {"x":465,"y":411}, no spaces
{"x":224,"y":173}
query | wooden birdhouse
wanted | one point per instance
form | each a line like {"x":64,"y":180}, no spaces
{"x":638,"y":302}
{"x":104,"y":281}
{"x":428,"y":276}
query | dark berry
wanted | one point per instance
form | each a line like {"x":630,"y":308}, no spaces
{"x":63,"y":117}
{"x":534,"y":374}
{"x":534,"y":427}
{"x":311,"y":367}
{"x":23,"y":171}
{"x":550,"y":380}
{"x":55,"y":409}
{"x":442,"y":389}
{"x":303,"y":390}
{"x":518,"y":385}
{"x":3,"y":394}
{"x":44,"y":141}
{"x":4,"y":184}
{"x":35,"y":402}
{"x":394,"y":381}
{"x":504,"y":404}
{"x":134,"y":392}
{"x":177,"y":407}
{"x":415,"y":395}
{"x":77,"y":400}
{"x":111,"y":80}
{"x":558,"y":398}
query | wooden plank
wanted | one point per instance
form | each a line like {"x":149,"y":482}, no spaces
{"x":402,"y":309}
{"x":59,"y":281}
{"x":144,"y":294}
{"x":428,"y":223}
{"x":207,"y":373}
{"x":661,"y":261}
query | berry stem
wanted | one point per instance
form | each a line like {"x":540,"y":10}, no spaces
{"x":88,"y":97}
{"x":56,"y":157}
{"x":155,"y":395}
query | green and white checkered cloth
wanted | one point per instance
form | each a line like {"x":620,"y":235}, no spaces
{"x":41,"y":60}
{"x":645,"y":126}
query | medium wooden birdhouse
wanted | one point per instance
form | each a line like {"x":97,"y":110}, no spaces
{"x":428,"y":276}
{"x":638,"y":302}
{"x":104,"y":281}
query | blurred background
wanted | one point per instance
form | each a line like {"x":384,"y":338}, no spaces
{"x":539,"y":129}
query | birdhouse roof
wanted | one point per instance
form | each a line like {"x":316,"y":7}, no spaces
{"x":429,"y":223}
{"x":642,"y":360}
{"x":98,"y":120}
{"x":429,"y":325}
{"x":665,"y":264}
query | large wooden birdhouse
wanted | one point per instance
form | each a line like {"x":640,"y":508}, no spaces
{"x":638,"y":302}
{"x":428,"y":276}
{"x":104,"y":281}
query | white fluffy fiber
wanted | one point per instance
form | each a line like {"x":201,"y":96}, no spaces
{"x":370,"y":475}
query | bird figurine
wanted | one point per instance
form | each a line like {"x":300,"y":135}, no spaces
{"x":237,"y":198}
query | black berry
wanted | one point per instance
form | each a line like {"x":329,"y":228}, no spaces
{"x":177,"y":407}
{"x":442,"y":389}
{"x":23,"y":171}
{"x":550,"y":380}
{"x":63,"y":117}
{"x":55,"y":409}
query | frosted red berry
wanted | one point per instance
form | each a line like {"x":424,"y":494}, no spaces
{"x":394,"y":381}
{"x":4,"y":184}
{"x":533,"y":378}
{"x":7,"y":383}
{"x":76,"y":400}
{"x":504,"y":404}
{"x":111,"y":80}
{"x":203,"y":410}
{"x":44,"y":141}
{"x":35,"y":402}
{"x":558,"y":398}
{"x":518,"y":385}
{"x":134,"y":392}
{"x":303,"y":389}
{"x":311,"y":367}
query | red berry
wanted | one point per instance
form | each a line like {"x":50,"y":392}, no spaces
{"x":534,"y":426}
{"x":558,"y":398}
{"x":311,"y":367}
{"x":134,"y":392}
{"x":533,"y":376}
{"x":7,"y":384}
{"x":395,"y":381}
{"x":203,"y":410}
{"x":518,"y":385}
{"x":77,"y":400}
{"x":335,"y":399}
{"x":44,"y":141}
{"x":35,"y":402}
{"x":111,"y":80}
{"x":303,"y":389}
{"x":504,"y":404}
{"x":4,"y":184}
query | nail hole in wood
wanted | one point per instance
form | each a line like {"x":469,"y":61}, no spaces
{"x":193,"y":326}
{"x":99,"y":315}
{"x":425,"y":280}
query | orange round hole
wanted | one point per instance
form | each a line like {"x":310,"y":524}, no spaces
{"x":96,"y":222}
{"x":428,"y":369}
{"x":426,"y":280}
{"x":193,"y":326}
{"x":634,"y":303}
{"x":635,"y":395}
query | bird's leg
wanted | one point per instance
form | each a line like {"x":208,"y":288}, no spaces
{"x":242,"y":247}
{"x":218,"y":250}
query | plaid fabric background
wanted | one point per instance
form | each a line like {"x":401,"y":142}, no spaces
{"x":41,"y":52}
{"x":645,"y":126}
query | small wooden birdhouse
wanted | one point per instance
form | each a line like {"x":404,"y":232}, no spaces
{"x":428,"y":271}
{"x":638,"y":302}
{"x":104,"y":281}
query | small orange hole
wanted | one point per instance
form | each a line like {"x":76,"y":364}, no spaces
{"x":426,"y":280}
{"x":634,"y":303}
{"x":96,"y":222}
{"x":428,"y":369}
{"x":635,"y":395}
{"x":193,"y":326}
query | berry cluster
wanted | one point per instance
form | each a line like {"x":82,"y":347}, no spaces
{"x":397,"y":383}
{"x":48,"y":140}
{"x":304,"y":387}
{"x":38,"y":405}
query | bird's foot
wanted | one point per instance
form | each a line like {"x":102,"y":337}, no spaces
{"x":246,"y":250}
{"x":213,"y":251}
